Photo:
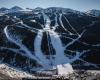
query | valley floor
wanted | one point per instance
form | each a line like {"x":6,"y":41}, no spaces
{"x":11,"y":73}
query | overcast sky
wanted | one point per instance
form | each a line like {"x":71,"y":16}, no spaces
{"x":81,"y":5}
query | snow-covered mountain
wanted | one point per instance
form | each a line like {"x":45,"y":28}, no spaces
{"x":15,"y":9}
{"x":63,"y":10}
{"x":93,"y":12}
{"x":50,"y":39}
{"x":3,"y":10}
{"x":11,"y":10}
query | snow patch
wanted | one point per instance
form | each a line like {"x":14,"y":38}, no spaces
{"x":64,"y":69}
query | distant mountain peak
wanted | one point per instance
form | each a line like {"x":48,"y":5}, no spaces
{"x":38,"y":8}
{"x":3,"y":9}
{"x":17,"y":8}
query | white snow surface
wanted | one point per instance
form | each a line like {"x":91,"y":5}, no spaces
{"x":65,"y":69}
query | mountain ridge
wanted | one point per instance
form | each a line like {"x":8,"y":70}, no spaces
{"x":92,"y":12}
